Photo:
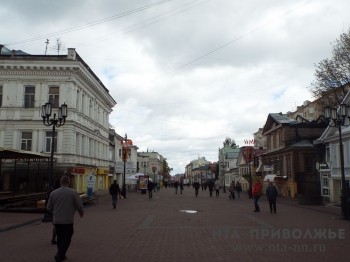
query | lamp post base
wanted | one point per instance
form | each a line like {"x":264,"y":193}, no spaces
{"x":124,"y":192}
{"x":344,"y":206}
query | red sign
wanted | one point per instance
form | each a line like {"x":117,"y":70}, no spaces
{"x":248,"y":154}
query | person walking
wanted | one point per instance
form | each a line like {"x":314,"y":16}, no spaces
{"x":176,"y":185}
{"x":150,"y":186}
{"x":271,"y":194}
{"x":114,"y":191}
{"x":211,"y":187}
{"x":217,"y":187}
{"x":196,"y":186}
{"x":181,"y":187}
{"x":256,"y":194}
{"x":62,"y":203}
{"x":232,"y":190}
{"x":238,"y":189}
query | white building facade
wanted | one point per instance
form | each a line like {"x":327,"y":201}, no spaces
{"x":82,"y":144}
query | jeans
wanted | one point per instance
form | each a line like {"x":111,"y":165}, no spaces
{"x":256,"y":199}
{"x":272,"y":204}
{"x":114,"y":200}
{"x":64,"y":236}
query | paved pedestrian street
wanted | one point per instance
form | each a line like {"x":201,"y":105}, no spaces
{"x":182,"y":227}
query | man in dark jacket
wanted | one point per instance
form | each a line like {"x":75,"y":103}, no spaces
{"x":114,"y":191}
{"x":271,"y":194}
{"x":150,"y":186}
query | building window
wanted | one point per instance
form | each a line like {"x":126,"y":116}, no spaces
{"x":49,"y":142}
{"x":78,"y":101}
{"x":54,"y":95}
{"x":77,"y":144}
{"x":29,"y":96}
{"x":0,"y":96}
{"x":26,"y":141}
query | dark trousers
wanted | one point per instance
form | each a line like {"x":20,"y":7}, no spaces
{"x":64,"y":236}
{"x":114,"y":200}
{"x":150,"y":193}
{"x":217,"y":192}
{"x":256,"y":205}
{"x":272,"y":204}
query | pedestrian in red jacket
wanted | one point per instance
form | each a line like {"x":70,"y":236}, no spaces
{"x":256,"y":194}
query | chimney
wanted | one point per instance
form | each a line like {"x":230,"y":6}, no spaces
{"x":71,"y":54}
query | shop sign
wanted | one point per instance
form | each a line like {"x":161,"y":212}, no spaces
{"x":102,"y":171}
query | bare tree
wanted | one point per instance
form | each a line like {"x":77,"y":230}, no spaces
{"x":332,"y":76}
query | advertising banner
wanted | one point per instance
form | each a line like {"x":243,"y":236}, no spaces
{"x":90,"y":182}
{"x":143,"y":182}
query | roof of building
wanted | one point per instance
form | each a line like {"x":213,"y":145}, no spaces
{"x":5,"y":51}
{"x":282,"y":119}
{"x":19,"y":54}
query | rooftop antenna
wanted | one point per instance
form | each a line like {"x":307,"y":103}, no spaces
{"x":59,"y":46}
{"x":47,"y":43}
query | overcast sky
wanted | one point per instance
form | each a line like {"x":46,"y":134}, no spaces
{"x":186,"y":74}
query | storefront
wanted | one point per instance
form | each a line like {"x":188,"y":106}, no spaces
{"x":103,"y":180}
{"x":325,"y":178}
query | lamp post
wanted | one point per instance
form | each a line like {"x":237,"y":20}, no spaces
{"x":337,"y":118}
{"x":248,"y":155}
{"x":46,"y":112}
{"x":126,"y":155}
{"x":154,"y":168}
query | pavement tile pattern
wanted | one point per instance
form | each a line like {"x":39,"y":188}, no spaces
{"x":160,"y":229}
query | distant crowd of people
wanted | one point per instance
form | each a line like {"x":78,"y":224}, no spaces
{"x":64,"y":201}
{"x":235,"y":189}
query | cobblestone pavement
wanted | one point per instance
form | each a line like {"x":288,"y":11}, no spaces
{"x":160,"y":229}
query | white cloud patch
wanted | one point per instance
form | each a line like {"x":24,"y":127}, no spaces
{"x":187,"y":74}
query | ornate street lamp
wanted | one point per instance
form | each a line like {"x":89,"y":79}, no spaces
{"x":338,"y":118}
{"x":126,"y":154}
{"x":46,"y":112}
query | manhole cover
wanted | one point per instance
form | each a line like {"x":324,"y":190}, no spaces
{"x":188,"y":211}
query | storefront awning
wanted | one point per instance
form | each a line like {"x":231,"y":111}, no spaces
{"x":275,"y":178}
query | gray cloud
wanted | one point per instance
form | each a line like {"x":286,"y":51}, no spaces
{"x":187,"y":74}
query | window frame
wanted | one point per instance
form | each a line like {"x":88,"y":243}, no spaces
{"x":26,"y":142}
{"x":29,"y":96}
{"x":48,"y":142}
{"x":54,"y":96}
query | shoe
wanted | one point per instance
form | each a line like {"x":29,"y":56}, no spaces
{"x":58,"y":259}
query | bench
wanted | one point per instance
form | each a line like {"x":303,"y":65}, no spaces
{"x":88,"y":200}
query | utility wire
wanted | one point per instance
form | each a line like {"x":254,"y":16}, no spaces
{"x":225,"y":45}
{"x":90,"y":24}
